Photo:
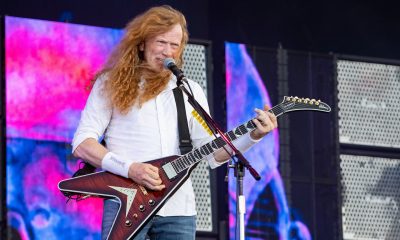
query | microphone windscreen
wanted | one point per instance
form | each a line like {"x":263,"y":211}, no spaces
{"x":168,"y":62}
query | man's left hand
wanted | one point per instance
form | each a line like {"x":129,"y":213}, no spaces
{"x":265,"y":122}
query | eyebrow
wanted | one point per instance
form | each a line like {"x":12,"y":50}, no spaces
{"x":164,"y":40}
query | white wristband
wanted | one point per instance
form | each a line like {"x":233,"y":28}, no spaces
{"x":113,"y":163}
{"x":245,"y":142}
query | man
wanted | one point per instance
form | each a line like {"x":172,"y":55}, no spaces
{"x":132,"y":105}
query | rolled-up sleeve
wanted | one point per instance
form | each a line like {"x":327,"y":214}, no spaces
{"x":95,"y":117}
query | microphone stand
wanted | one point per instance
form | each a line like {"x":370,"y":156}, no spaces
{"x":239,"y":166}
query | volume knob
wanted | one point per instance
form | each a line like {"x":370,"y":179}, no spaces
{"x":142,"y":208}
{"x":128,"y":223}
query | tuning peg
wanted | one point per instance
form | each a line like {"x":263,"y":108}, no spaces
{"x":318,"y":102}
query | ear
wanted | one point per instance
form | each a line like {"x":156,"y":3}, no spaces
{"x":141,"y":46}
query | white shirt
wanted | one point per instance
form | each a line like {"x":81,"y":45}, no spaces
{"x":146,"y":133}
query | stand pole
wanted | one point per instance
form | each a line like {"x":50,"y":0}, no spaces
{"x":240,"y":201}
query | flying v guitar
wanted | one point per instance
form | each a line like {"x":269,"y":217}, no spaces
{"x":138,"y":204}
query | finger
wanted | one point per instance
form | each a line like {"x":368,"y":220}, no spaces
{"x":264,"y":119}
{"x":258,"y":124}
{"x":266,"y":125}
{"x":155,"y":187}
{"x":153,"y":175}
{"x":151,"y":185}
{"x":270,"y":114}
{"x":266,"y":109}
{"x":267,"y":121}
{"x":145,"y":176}
{"x":260,"y":115}
{"x":152,"y":168}
{"x":273,"y":119}
{"x":259,"y":112}
{"x":158,"y":188}
{"x":152,"y":181}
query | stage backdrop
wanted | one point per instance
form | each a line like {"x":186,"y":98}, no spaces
{"x":49,"y":66}
{"x":267,"y":212}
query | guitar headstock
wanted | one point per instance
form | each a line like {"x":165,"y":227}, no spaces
{"x":290,"y":104}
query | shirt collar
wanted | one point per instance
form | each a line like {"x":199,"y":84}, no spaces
{"x":171,"y":84}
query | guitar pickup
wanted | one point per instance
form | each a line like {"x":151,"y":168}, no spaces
{"x":169,"y":170}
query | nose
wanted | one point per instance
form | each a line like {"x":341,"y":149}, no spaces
{"x":167,"y":50}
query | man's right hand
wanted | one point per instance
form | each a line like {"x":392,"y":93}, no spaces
{"x":147,"y":175}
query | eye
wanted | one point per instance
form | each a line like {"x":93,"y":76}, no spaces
{"x":161,"y":42}
{"x":174,"y":46}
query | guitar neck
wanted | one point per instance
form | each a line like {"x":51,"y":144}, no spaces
{"x":196,"y":155}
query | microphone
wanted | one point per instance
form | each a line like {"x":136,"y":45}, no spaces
{"x":169,"y":63}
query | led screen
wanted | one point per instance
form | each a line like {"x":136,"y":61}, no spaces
{"x":48,"y":68}
{"x":267,"y":212}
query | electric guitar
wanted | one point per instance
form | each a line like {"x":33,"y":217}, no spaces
{"x":138,"y":204}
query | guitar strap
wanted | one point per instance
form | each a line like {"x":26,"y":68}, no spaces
{"x":185,"y":143}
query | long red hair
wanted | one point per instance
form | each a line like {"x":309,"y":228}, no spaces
{"x":126,"y":66}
